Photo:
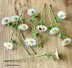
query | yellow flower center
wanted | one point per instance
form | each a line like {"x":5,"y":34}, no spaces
{"x":23,"y":26}
{"x":54,"y":30}
{"x":41,"y":27}
{"x":66,"y":41}
{"x":30,"y":41}
{"x":7,"y":45}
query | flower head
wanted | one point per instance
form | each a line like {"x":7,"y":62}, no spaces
{"x":54,"y":31}
{"x":30,"y":42}
{"x":66,"y":41}
{"x":15,"y":18}
{"x":56,"y":54}
{"x":8,"y":45}
{"x":41,"y":28}
{"x":62,"y":14}
{"x":5,"y":21}
{"x":31,"y":11}
{"x":23,"y":27}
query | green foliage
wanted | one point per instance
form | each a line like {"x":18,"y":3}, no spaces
{"x":32,"y":20}
{"x":23,"y":20}
{"x":35,"y":33}
{"x":13,"y":41}
{"x":41,"y":22}
{"x":12,"y":24}
{"x":62,"y":35}
{"x":49,"y":28}
{"x":38,"y":16}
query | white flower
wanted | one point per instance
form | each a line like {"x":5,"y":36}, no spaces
{"x":54,"y":31}
{"x":31,"y":11}
{"x":56,"y":54}
{"x":15,"y":18}
{"x":41,"y":28}
{"x":23,"y":27}
{"x":30,"y":42}
{"x":62,"y":14}
{"x":66,"y":41}
{"x":8,"y":45}
{"x":5,"y":21}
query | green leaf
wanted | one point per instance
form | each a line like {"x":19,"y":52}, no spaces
{"x":23,"y":20}
{"x":13,"y":41}
{"x":35,"y":33}
{"x":62,"y":35}
{"x":41,"y":22}
{"x":38,"y":16}
{"x":32,"y":20}
{"x":49,"y":28}
{"x":56,"y":18}
{"x":10,"y":24}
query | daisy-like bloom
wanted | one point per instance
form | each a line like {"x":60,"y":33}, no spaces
{"x":15,"y":18}
{"x":30,"y":42}
{"x":5,"y":21}
{"x":23,"y":27}
{"x":61,"y":14}
{"x":54,"y":31}
{"x":66,"y":41}
{"x":41,"y":28}
{"x":8,"y":45}
{"x":31,"y":11}
{"x":56,"y":54}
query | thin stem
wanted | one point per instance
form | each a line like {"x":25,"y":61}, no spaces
{"x":43,"y":39}
{"x":55,"y":21}
{"x":22,"y":34}
{"x":13,"y":31}
{"x":52,"y":15}
{"x":24,"y":38}
{"x":21,"y":43}
{"x":12,"y":35}
{"x":33,"y":50}
{"x":41,"y":42}
{"x":22,"y":59}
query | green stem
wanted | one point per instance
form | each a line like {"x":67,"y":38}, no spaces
{"x":52,"y":15}
{"x":33,"y":50}
{"x":12,"y":35}
{"x":22,"y":59}
{"x":24,"y":38}
{"x":21,"y":43}
{"x":22,"y":34}
{"x":55,"y":21}
{"x":43,"y":39}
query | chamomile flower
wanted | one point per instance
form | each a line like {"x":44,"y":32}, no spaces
{"x":56,"y":54}
{"x":66,"y":41}
{"x":30,"y":42}
{"x":54,"y":31}
{"x":41,"y":28}
{"x":5,"y":20}
{"x":61,"y":14}
{"x":23,"y":27}
{"x":15,"y":18}
{"x":8,"y":45}
{"x":31,"y":11}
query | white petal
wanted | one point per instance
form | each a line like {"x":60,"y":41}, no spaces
{"x":62,"y":14}
{"x":14,"y":18}
{"x":56,"y":54}
{"x":43,"y":30}
{"x":52,"y":32}
{"x":27,"y":42}
{"x":20,"y":27}
{"x":66,"y":41}
{"x":31,"y":11}
{"x":10,"y":45}
{"x":4,"y":22}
